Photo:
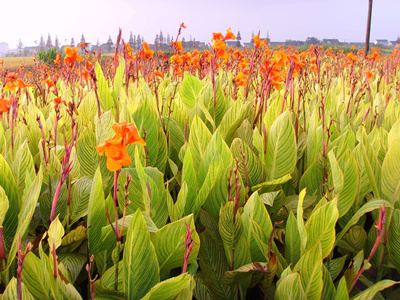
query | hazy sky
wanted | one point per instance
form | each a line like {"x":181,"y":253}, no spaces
{"x":283,"y":19}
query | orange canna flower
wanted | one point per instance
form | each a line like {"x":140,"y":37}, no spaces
{"x":183,"y":25}
{"x":71,"y":55}
{"x":128,"y":132}
{"x":57,"y":101}
{"x":258,"y":42}
{"x":57,"y":61}
{"x":49,"y":83}
{"x":217,"y":36}
{"x":146,"y":50}
{"x":178,"y":46}
{"x":219,"y":47}
{"x":229,"y":35}
{"x":159,"y":74}
{"x":240,"y":80}
{"x":351,"y":57}
{"x":368,"y":74}
{"x":13,"y":82}
{"x":128,"y":47}
{"x":5,"y":105}
{"x":115,"y":147}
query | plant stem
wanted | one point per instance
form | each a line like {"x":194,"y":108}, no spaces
{"x":116,"y":173}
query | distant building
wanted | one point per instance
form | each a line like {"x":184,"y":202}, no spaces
{"x":331,"y":42}
{"x":382,"y":42}
{"x":233,"y":44}
{"x":3,"y":49}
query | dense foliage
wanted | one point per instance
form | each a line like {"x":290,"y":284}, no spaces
{"x":224,"y":174}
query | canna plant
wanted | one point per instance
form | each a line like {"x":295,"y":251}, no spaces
{"x":225,"y":174}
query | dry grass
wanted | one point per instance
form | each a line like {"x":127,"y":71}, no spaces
{"x":12,"y":63}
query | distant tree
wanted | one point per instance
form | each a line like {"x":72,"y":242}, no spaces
{"x":98,"y":43}
{"x":20,"y":48}
{"x":252,"y":41}
{"x":134,"y":44}
{"x":138,"y":41}
{"x":131,"y":40}
{"x":184,"y":43}
{"x":238,"y":36}
{"x":42,"y":44}
{"x":161,"y":37}
{"x":312,"y":40}
{"x":57,"y":43}
{"x":49,"y":43}
{"x":157,"y":39}
{"x":168,"y":39}
{"x":83,"y":40}
{"x":72,"y":43}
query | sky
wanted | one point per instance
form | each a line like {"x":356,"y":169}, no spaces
{"x":281,"y":19}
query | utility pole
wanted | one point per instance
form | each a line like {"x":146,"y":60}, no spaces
{"x":368,"y":27}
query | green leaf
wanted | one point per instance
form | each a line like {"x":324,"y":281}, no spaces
{"x":255,"y":211}
{"x":11,"y":292}
{"x":335,"y":266}
{"x":33,"y":270}
{"x":186,"y":204}
{"x":281,"y":154}
{"x":292,"y":240}
{"x":74,"y":263}
{"x":231,"y":231}
{"x":190,"y":90}
{"x":348,"y":194}
{"x":55,"y":233}
{"x":213,"y":266}
{"x":7,"y":182}
{"x":393,"y":242}
{"x":168,"y":289}
{"x":290,"y":288}
{"x":146,"y":121}
{"x":320,"y":227}
{"x":80,"y":193}
{"x":300,"y":221}
{"x":118,"y":79}
{"x":198,"y":140}
{"x":370,"y":292}
{"x":310,"y":268}
{"x":329,"y":290}
{"x":253,"y":163}
{"x":25,"y":215}
{"x":3,"y":206}
{"x":23,"y":166}
{"x":103,"y":90}
{"x":87,"y":154}
{"x":245,"y":272}
{"x":369,"y":206}
{"x":169,"y":243}
{"x":96,"y":213}
{"x":342,"y":292}
{"x":231,"y":121}
{"x":337,"y":174}
{"x":141,"y":271}
{"x":390,"y":178}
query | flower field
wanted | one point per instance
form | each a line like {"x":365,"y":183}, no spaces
{"x":262,"y":173}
